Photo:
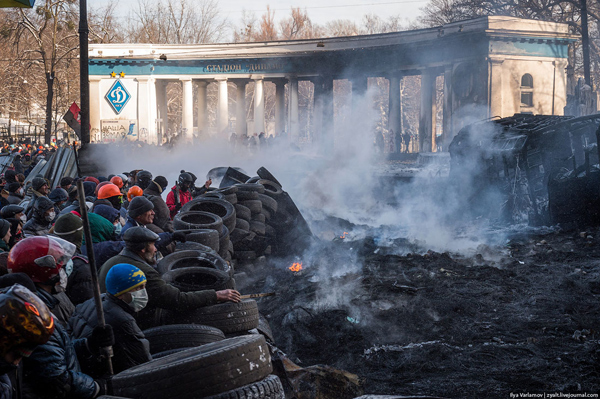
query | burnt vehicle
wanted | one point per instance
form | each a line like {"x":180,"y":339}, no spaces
{"x":544,"y":168}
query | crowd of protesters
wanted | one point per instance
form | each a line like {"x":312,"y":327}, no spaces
{"x":50,"y":338}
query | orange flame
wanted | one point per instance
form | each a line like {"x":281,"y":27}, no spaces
{"x":296,"y":267}
{"x":344,"y":235}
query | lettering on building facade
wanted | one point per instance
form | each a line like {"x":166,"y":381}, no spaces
{"x":245,"y":67}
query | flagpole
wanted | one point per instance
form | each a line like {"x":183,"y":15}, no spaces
{"x":84,"y":74}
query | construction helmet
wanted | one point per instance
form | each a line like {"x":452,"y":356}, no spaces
{"x":108,"y":190}
{"x":133,"y":192}
{"x":41,"y":257}
{"x":25,"y":320}
{"x":117,"y":181}
{"x":99,"y":186}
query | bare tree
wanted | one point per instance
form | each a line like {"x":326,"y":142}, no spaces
{"x":341,"y":27}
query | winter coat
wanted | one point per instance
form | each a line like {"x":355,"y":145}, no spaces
{"x":36,"y":227}
{"x":184,"y":198}
{"x":160,"y":294}
{"x":53,"y":371}
{"x":162,"y":217}
{"x":31,"y":202}
{"x":59,"y":304}
{"x":161,"y":244}
{"x":14,"y":198}
{"x":131,"y":347}
{"x":6,"y":389}
{"x":79,"y":284}
{"x":105,"y":250}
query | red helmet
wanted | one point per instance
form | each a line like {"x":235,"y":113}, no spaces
{"x":134,"y":191}
{"x":41,"y":258}
{"x":25,"y":320}
{"x":108,"y":190}
{"x":117,"y":181}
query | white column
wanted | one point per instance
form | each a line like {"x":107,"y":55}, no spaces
{"x":161,"y":99}
{"x":427,"y":116}
{"x":317,"y":117}
{"x":395,"y":113}
{"x":496,"y":89}
{"x":223,"y":108}
{"x":95,"y":108}
{"x":328,"y":115}
{"x":294,"y":128}
{"x":147,"y":110}
{"x":448,"y":133}
{"x":187,"y":114}
{"x":259,"y":106}
{"x":279,"y":107}
{"x":241,"y":127}
{"x":202,"y":108}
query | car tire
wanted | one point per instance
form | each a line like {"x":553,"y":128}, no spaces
{"x":177,"y":336}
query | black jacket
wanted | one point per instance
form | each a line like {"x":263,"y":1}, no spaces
{"x":162,"y":215}
{"x":35,"y":227}
{"x":131,"y":347}
{"x":52,"y":371}
{"x":79,"y":284}
{"x":160,"y":294}
{"x":59,"y":304}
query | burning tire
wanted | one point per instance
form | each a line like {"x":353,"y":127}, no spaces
{"x":206,"y":237}
{"x":272,"y":189}
{"x":242,"y":224}
{"x":228,"y":317}
{"x":188,"y":279}
{"x":184,"y":259}
{"x":266,"y":175}
{"x":177,"y":336}
{"x":219,"y":207}
{"x":247,"y":195}
{"x":242,"y":212}
{"x":198,"y":372}
{"x":268,"y":202}
{"x":269,"y":388}
{"x":197,"y":220}
{"x":255,"y":206}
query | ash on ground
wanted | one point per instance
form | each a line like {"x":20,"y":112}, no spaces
{"x":522,"y":316}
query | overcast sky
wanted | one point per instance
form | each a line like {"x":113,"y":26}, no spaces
{"x":320,"y":11}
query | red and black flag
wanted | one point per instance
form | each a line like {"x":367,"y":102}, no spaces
{"x":73,"y":119}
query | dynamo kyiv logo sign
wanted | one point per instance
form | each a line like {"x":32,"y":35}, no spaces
{"x":118,"y":96}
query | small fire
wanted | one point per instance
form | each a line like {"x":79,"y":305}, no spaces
{"x":344,"y":235}
{"x":296,"y":266}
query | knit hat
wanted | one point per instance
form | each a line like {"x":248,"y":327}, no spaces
{"x":162,"y":182}
{"x":65,"y":181}
{"x":38,"y":182}
{"x":9,"y":211}
{"x":122,"y":278}
{"x":89,"y":188}
{"x":69,"y":227}
{"x":138,"y":206}
{"x":58,"y":194}
{"x":4,"y":227}
{"x":13,"y":187}
{"x":107,"y":212}
{"x":10,"y":176}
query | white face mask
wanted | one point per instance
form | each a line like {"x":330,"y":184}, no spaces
{"x":139,"y":300}
{"x":69,"y":267}
{"x":118,"y":229}
{"x":23,"y":218}
{"x":50,"y":217}
{"x":63,"y":278}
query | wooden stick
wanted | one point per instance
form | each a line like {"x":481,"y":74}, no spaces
{"x":264,"y":294}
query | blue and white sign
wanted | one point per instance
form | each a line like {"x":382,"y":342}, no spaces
{"x":118,"y":96}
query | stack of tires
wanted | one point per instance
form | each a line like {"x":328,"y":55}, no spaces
{"x":238,"y":367}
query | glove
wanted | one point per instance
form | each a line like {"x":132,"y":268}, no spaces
{"x":101,"y":338}
{"x":179,"y":236}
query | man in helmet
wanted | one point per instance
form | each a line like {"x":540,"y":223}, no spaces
{"x":112,"y":194}
{"x":41,"y":219}
{"x":126,"y":295}
{"x":143,"y":179}
{"x":25,"y":322}
{"x":180,"y":193}
{"x":139,"y":251}
{"x":52,"y":370}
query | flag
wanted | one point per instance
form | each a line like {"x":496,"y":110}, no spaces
{"x":73,"y":119}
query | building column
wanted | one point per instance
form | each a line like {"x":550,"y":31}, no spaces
{"x":279,"y":106}
{"x":495,"y":89}
{"x":359,"y":89}
{"x":294,"y":128}
{"x":163,"y":117}
{"x":147,"y":110}
{"x":223,"y":107}
{"x":95,"y":108}
{"x":187,"y":114}
{"x":202,"y":108}
{"x":395,"y":113}
{"x":259,"y":106}
{"x":448,"y":131}
{"x":427,"y":116}
{"x":317,"y":117}
{"x":241,"y":126}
